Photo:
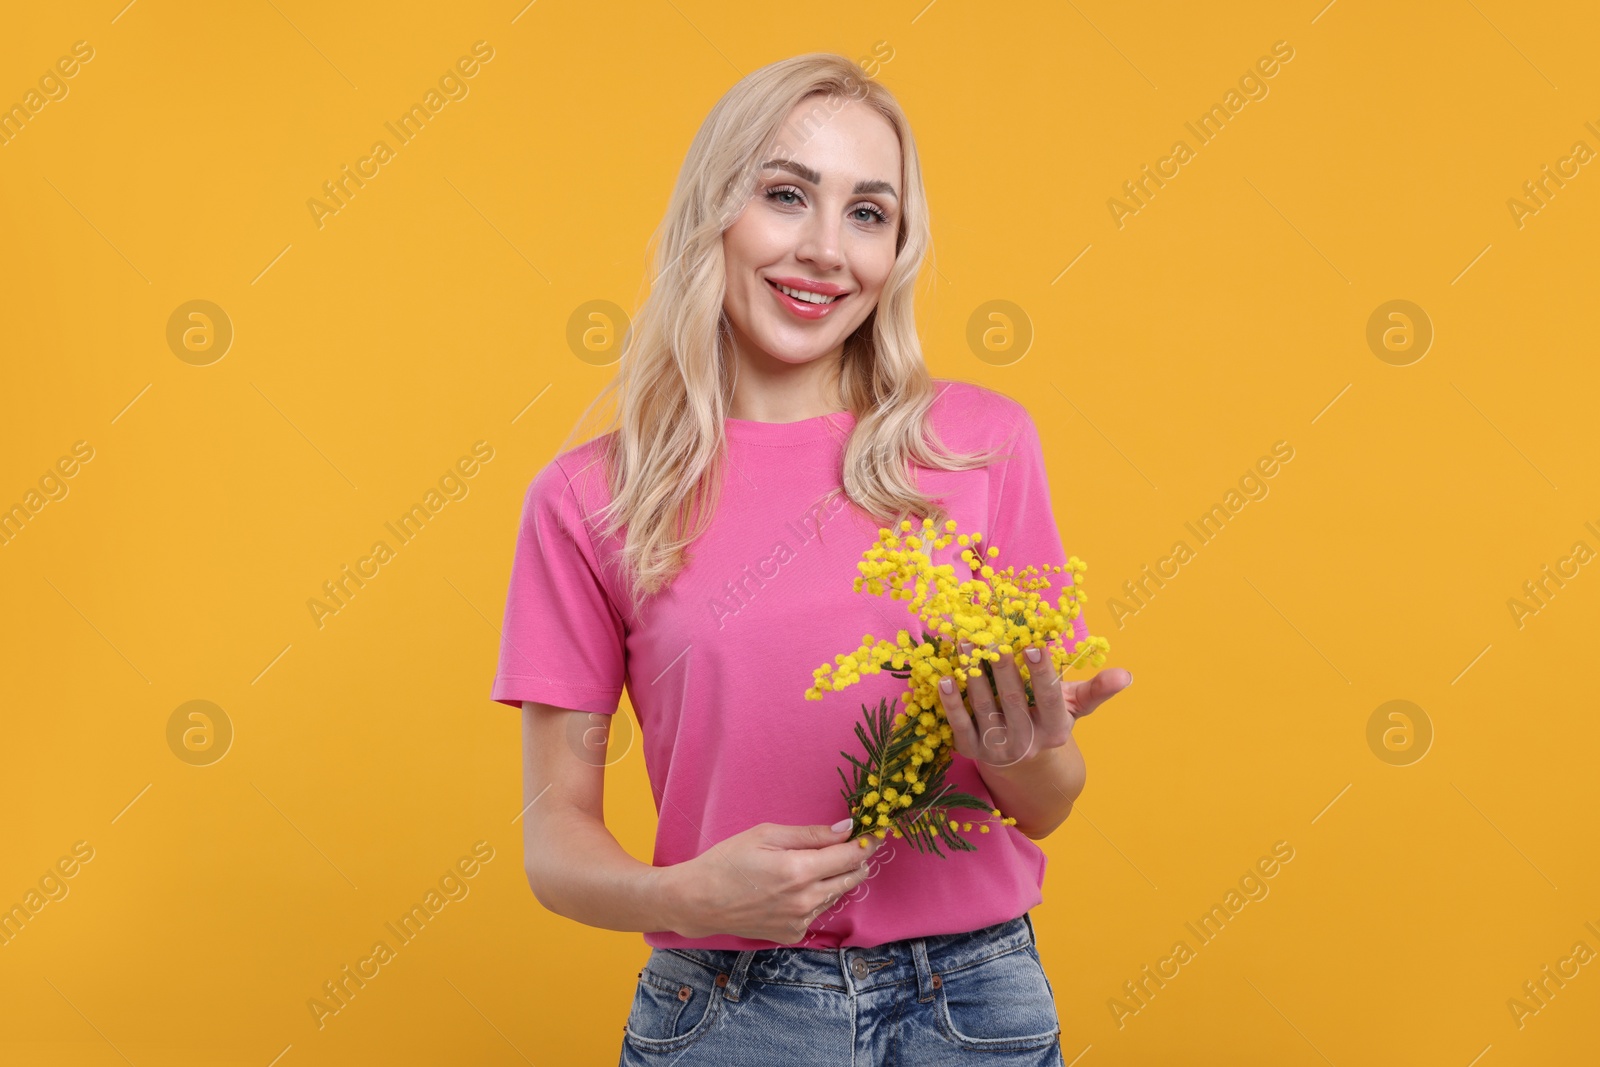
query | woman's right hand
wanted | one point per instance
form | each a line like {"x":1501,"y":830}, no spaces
{"x":768,"y":883}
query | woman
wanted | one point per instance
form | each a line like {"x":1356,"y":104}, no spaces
{"x":773,"y":412}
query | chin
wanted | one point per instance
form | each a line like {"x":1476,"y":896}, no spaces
{"x":797,"y":357}
{"x":786,"y":351}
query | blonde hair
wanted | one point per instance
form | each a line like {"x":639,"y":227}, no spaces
{"x":675,"y":377}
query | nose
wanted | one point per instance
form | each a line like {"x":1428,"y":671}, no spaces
{"x":819,"y":243}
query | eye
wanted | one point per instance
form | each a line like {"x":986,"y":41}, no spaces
{"x":877,"y":211}
{"x":778,"y":192}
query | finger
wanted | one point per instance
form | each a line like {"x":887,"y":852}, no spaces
{"x":802,"y":925}
{"x":1012,"y":733}
{"x":986,"y":716}
{"x":811,"y":916}
{"x":963,"y":734}
{"x":1051,"y":714}
{"x":1086,"y":696}
{"x":809,"y":836}
{"x":840,"y":884}
{"x":841,"y":858}
{"x":795,"y":930}
{"x":1008,"y":682}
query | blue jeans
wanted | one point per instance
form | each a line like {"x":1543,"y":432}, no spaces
{"x":977,"y":997}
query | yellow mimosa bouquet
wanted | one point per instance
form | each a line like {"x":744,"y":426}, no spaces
{"x":899,"y":787}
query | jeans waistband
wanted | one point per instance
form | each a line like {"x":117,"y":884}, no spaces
{"x":857,"y":970}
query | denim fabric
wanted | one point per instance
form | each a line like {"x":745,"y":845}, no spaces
{"x":980,"y":996}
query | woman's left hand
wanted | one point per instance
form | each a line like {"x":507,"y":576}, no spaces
{"x":1014,"y":732}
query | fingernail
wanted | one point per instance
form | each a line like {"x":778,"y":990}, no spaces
{"x":1130,"y":679}
{"x":842,"y":825}
{"x":1032,"y":654}
{"x":947,"y":685}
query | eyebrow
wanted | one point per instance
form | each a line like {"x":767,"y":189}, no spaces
{"x":802,"y":171}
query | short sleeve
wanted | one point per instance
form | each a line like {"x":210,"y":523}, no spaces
{"x":1022,"y":521}
{"x":563,"y":642}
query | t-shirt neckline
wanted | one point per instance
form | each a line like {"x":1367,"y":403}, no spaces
{"x":817,"y":427}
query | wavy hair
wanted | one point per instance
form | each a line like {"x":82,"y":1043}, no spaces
{"x":675,"y":377}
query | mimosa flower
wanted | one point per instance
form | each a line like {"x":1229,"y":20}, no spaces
{"x":1000,"y":613}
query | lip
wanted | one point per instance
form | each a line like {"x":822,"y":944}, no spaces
{"x":801,"y":309}
{"x":825,"y":288}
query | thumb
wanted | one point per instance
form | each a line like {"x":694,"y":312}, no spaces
{"x":808,"y":836}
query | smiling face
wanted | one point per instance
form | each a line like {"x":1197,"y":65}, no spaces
{"x":821,"y":224}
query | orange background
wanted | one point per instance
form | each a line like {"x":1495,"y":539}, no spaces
{"x":431,"y":312}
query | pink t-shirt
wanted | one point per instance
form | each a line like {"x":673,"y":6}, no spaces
{"x":717,"y":664}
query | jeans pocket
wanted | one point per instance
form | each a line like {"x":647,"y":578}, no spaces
{"x":674,"y":1005}
{"x":1001,"y":1004}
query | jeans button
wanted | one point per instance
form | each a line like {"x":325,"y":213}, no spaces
{"x":858,"y":967}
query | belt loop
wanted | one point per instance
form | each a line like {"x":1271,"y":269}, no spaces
{"x":1033,"y":938}
{"x":733,"y":983}
{"x":925,"y":978}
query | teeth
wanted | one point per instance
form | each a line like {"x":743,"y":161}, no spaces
{"x":801,"y":294}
